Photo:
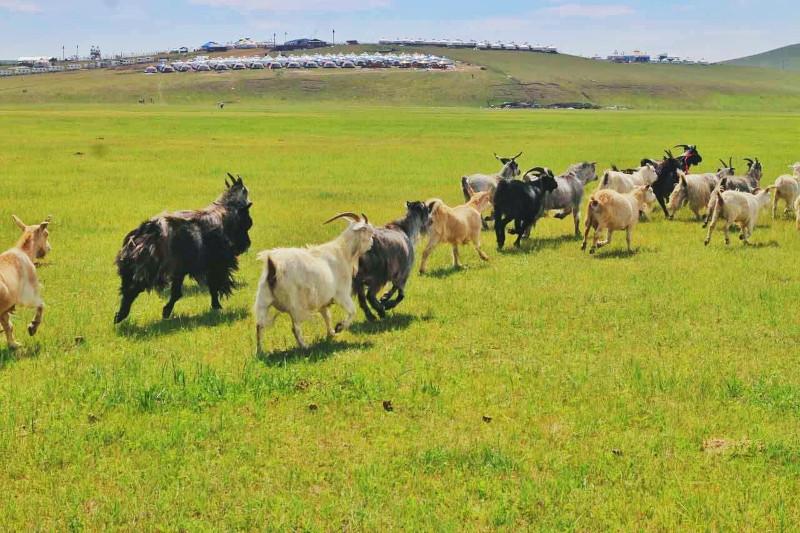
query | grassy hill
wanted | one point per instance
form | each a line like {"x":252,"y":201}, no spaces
{"x":483,"y":76}
{"x":785,"y":58}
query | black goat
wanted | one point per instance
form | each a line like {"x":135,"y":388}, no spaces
{"x":522,"y":202}
{"x":202,"y":244}
{"x":390,"y":259}
{"x":666,"y":177}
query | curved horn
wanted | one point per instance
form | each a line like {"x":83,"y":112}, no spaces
{"x":536,"y":170}
{"x":724,"y":164}
{"x":749,"y":160}
{"x":349,"y":215}
{"x":684,"y":146}
{"x":516,"y":156}
{"x":365,"y":219}
{"x":730,"y":162}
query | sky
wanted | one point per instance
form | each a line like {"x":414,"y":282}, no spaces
{"x":700,"y":29}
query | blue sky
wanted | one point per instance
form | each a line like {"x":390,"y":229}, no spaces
{"x":710,"y":29}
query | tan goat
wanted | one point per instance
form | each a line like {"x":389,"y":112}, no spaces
{"x":611,"y":211}
{"x":18,"y":282}
{"x":455,"y":226}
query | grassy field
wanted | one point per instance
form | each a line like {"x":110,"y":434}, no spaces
{"x":784,"y":58}
{"x":603,"y":376}
{"x":482,"y":77}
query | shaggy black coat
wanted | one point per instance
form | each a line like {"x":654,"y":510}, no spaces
{"x":522,"y":202}
{"x":390,"y":260}
{"x":202,"y":244}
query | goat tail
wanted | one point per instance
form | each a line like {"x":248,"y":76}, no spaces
{"x":606,"y":179}
{"x":141,"y":259}
{"x":272,"y":274}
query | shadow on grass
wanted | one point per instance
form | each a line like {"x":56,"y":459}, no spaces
{"x":619,"y":253}
{"x":737,"y":243}
{"x":318,"y":351}
{"x":9,"y":356}
{"x":392,"y":322}
{"x":446,"y":272}
{"x":208,"y":319}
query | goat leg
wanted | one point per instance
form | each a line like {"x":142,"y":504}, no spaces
{"x":401,"y":294}
{"x":8,"y":327}
{"x":376,"y":305}
{"x":176,"y":291}
{"x":33,"y":327}
{"x":362,"y":301}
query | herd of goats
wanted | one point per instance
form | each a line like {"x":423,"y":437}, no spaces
{"x":205,"y":244}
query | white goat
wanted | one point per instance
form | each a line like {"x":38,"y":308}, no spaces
{"x":740,"y":208}
{"x":610,"y":210}
{"x":787,"y":188}
{"x":694,"y":190}
{"x":303,"y":281}
{"x":624,"y":183}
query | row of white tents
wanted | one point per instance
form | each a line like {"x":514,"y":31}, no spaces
{"x":480,"y":45}
{"x":21,"y":71}
{"x":306,"y":61}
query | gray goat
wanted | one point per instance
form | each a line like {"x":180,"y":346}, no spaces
{"x":488,"y":182}
{"x":569,"y":193}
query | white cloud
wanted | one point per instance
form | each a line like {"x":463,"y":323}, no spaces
{"x":594,"y":11}
{"x":321,"y":6}
{"x":19,"y":6}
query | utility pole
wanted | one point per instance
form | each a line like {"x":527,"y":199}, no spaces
{"x":63,"y":54}
{"x":77,"y":53}
{"x":274,"y":40}
{"x":285,"y":36}
{"x":334,"y":37}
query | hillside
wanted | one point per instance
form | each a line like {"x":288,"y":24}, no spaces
{"x":785,"y":58}
{"x":482,"y":77}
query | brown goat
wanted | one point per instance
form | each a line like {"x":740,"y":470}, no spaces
{"x":455,"y":226}
{"x":18,"y":282}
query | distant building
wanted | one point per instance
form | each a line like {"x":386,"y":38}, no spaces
{"x":39,"y":61}
{"x":301,"y":44}
{"x":213,"y":46}
{"x":635,"y":57}
{"x":352,"y":42}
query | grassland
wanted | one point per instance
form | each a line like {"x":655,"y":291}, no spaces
{"x":603,"y":376}
{"x":483,"y":77}
{"x":784,"y":58}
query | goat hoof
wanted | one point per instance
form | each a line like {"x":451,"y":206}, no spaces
{"x":166,"y":313}
{"x":339,"y":327}
{"x":119,"y":318}
{"x":14,"y":346}
{"x":32,"y":328}
{"x":592,"y":250}
{"x":705,"y":242}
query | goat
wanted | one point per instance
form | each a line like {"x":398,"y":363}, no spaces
{"x":694,"y":190}
{"x":303,"y":281}
{"x":611,"y":211}
{"x":488,"y":182}
{"x":522,"y":202}
{"x":729,"y":181}
{"x":737,"y":207}
{"x":390,"y":259}
{"x":202,"y":244}
{"x":667,"y":175}
{"x":19,"y":284}
{"x":455,"y":226}
{"x":568,"y":194}
{"x":787,"y":188}
{"x":622,"y":181}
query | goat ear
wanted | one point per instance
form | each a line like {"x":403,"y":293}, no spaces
{"x":18,"y":222}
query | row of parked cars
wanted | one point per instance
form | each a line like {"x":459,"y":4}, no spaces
{"x":327,"y":61}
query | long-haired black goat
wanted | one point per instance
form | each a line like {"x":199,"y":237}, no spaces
{"x":667,"y":175}
{"x":390,"y":259}
{"x":522,"y":202}
{"x":202,"y":244}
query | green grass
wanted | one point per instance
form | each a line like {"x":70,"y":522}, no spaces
{"x":603,"y":376}
{"x":784,"y":58}
{"x":483,"y":77}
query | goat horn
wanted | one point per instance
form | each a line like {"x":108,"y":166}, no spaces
{"x":749,"y":160}
{"x":366,"y":220}
{"x":496,"y":156}
{"x":536,"y":170}
{"x":516,"y":156}
{"x":684,"y":146}
{"x":352,"y":216}
{"x":730,"y":162}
